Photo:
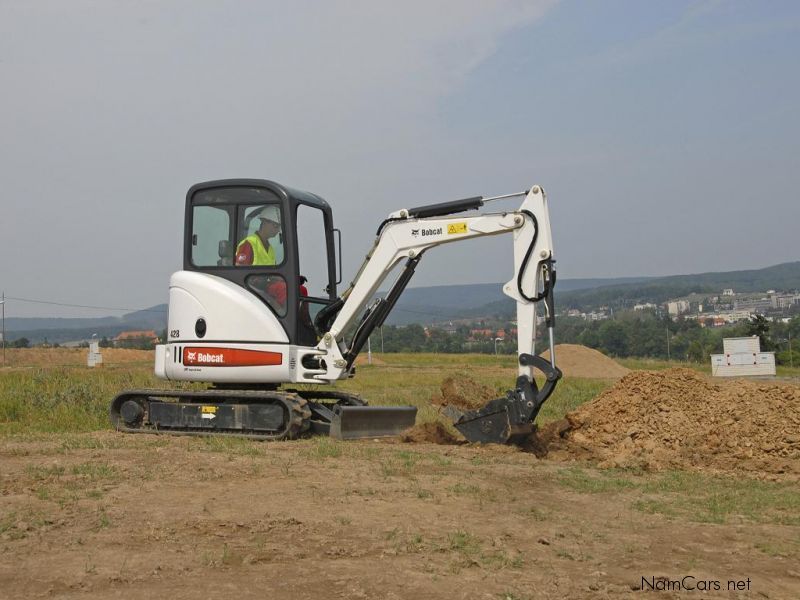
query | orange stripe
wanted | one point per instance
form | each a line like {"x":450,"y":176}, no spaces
{"x":229,"y":357}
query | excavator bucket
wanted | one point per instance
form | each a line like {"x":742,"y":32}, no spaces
{"x":493,"y":424}
{"x":511,"y":419}
{"x":354,"y":422}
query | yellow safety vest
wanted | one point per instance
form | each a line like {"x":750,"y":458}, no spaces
{"x":261,"y":256}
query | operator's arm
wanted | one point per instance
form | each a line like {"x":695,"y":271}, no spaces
{"x":244,"y":254}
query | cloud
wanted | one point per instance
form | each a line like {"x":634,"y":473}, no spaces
{"x":111,"y":111}
{"x":702,"y":24}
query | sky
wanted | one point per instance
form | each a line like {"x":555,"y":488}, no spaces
{"x":666,"y":134}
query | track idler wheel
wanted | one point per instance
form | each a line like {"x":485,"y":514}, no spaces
{"x":127,"y":411}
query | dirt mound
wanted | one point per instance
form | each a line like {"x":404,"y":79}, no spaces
{"x":679,"y":419}
{"x":431,"y":433}
{"x":575,"y":360}
{"x":463,"y":392}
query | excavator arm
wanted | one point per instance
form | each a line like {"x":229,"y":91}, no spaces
{"x":405,"y":236}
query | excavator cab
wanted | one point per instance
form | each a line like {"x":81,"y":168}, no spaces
{"x":274,"y":241}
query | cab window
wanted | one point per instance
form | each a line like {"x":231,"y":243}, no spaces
{"x":211,"y":232}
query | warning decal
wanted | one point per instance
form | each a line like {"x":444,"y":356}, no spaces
{"x":456,"y":228}
{"x":229,"y":357}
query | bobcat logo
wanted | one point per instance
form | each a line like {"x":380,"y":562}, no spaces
{"x":190,"y":356}
{"x":415,"y":232}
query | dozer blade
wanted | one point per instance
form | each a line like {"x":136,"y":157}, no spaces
{"x":354,"y":422}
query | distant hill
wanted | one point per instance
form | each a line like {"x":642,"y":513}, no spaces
{"x":442,"y":303}
{"x":416,"y":305}
{"x":60,"y":330}
{"x":785,"y":276}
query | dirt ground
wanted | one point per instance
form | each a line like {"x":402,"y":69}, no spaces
{"x":109,"y":515}
{"x":664,"y":475}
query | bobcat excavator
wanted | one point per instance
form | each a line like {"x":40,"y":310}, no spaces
{"x":242,"y":318}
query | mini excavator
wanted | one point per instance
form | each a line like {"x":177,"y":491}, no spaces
{"x":243,"y":316}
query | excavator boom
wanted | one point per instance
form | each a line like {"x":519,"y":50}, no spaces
{"x":405,"y":236}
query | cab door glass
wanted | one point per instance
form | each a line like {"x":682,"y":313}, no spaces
{"x":211,"y":236}
{"x":272,"y":289}
{"x":312,"y":250}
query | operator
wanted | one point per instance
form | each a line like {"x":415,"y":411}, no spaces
{"x":255,"y":249}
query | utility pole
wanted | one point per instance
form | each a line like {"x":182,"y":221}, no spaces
{"x":788,"y":341}
{"x":381,"y":328}
{"x":369,"y":350}
{"x":668,"y":356}
{"x":3,"y":305}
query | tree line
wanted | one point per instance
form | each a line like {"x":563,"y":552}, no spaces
{"x":643,"y":334}
{"x":629,"y":334}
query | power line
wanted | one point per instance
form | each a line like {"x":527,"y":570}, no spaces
{"x":85,"y":306}
{"x":31,"y":300}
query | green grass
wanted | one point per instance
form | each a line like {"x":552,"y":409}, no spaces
{"x":654,"y":364}
{"x":579,"y":480}
{"x":787,"y":371}
{"x":691,"y":496}
{"x":231,"y":445}
{"x":790,"y":549}
{"x":708,"y":499}
{"x":75,"y":400}
{"x":96,"y":471}
{"x":64,"y":399}
{"x":320,"y":448}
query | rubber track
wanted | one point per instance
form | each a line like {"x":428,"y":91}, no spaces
{"x":298,"y":423}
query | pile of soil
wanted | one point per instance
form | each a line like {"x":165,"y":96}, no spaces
{"x":575,"y":360}
{"x":464,"y":393}
{"x":430,"y":433}
{"x":680,"y":419}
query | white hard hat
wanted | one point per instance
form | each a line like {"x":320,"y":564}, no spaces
{"x":270,"y":212}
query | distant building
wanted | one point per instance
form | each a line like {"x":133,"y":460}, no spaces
{"x":711,"y":321}
{"x":596,"y":316}
{"x":742,"y":356}
{"x":734,"y":316}
{"x":727,"y":292}
{"x":481,"y":333}
{"x":644,"y":306}
{"x":677,"y":307}
{"x":135,"y":339}
{"x":784,"y":301}
{"x":756,"y":305}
